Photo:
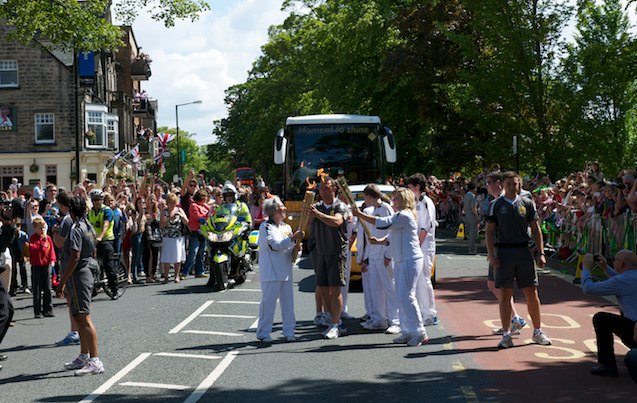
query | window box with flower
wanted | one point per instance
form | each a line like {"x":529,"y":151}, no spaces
{"x":140,"y":67}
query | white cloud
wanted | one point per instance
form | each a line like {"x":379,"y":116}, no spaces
{"x":200,"y":60}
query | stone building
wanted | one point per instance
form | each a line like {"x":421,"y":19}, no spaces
{"x":41,"y":118}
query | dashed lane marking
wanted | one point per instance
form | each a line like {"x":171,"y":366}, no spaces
{"x":155,"y":385}
{"x":115,"y":378}
{"x":190,"y":318}
{"x":182,"y":355}
{"x":212,"y":333}
{"x":215,"y":315}
{"x":210,"y":379}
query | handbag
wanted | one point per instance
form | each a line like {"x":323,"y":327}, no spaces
{"x":154,"y":233}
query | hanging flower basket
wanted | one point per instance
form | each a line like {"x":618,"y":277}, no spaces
{"x":33,"y":168}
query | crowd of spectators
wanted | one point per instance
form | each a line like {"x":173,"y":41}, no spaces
{"x":137,"y":207}
{"x":585,"y":211}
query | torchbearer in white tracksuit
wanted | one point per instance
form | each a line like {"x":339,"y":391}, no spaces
{"x":426,"y":235}
{"x":408,"y":263}
{"x":276,"y":243}
{"x":379,"y":267}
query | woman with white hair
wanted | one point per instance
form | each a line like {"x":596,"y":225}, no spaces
{"x":276,"y":242}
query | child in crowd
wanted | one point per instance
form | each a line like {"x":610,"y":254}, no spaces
{"x":42,"y":255}
{"x":17,"y":248}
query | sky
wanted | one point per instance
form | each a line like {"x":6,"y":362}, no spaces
{"x":199,"y":60}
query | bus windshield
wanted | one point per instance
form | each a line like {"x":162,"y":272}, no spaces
{"x":352,"y":150}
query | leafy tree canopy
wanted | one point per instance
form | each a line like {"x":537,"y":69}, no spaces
{"x":85,"y":24}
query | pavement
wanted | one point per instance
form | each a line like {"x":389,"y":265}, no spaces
{"x":179,"y":342}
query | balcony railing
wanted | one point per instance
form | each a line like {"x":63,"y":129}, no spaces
{"x":144,"y":108}
{"x":120,"y":99}
{"x":140,"y":69}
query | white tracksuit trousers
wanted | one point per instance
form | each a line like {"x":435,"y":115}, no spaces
{"x":407,"y":273}
{"x":425,"y":290}
{"x":270,"y":291}
{"x":382,"y":292}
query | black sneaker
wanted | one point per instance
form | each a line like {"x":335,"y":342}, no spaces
{"x":48,"y":314}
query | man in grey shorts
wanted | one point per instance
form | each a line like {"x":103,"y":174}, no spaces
{"x":508,"y":220}
{"x":329,"y":230}
{"x":77,"y":281}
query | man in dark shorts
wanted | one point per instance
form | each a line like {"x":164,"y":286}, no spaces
{"x":330,"y":233}
{"x":77,"y":281}
{"x":508,"y":220}
{"x":60,"y":233}
{"x":495,"y":189}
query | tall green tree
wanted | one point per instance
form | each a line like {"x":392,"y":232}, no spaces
{"x":219,"y":164}
{"x":510,"y":73}
{"x":195,"y":156}
{"x":599,"y":80}
{"x":75,"y":24}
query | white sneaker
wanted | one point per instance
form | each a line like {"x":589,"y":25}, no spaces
{"x":500,"y":332}
{"x":517,"y":323}
{"x":540,"y":338}
{"x":393,"y":329}
{"x":77,"y":363}
{"x":417,"y":340}
{"x":506,"y":342}
{"x":332,"y":332}
{"x":92,"y":367}
{"x":402,"y":339}
{"x":267,"y":339}
{"x":291,"y":338}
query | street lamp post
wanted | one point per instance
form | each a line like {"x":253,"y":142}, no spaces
{"x":177,"y":134}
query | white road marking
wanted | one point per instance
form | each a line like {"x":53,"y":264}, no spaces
{"x":212,"y":333}
{"x":115,"y":378}
{"x":216,"y":315}
{"x":246,"y":289}
{"x":253,"y":327}
{"x":181,"y":355}
{"x":189,"y":319}
{"x":472,"y":257}
{"x":155,"y":385}
{"x":239,"y":302}
{"x":210,"y":379}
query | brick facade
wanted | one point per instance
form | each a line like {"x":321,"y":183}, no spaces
{"x":46,"y":86}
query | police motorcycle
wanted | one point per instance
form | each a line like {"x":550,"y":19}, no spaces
{"x":227,"y":234}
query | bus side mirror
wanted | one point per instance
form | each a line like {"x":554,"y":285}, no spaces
{"x":280,"y":147}
{"x":390,"y":145}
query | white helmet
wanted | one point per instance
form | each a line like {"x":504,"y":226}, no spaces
{"x":228,"y":188}
{"x":96,"y":194}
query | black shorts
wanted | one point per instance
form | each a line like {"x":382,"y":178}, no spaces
{"x":79,"y":289}
{"x":515,"y":264}
{"x":330,"y":270}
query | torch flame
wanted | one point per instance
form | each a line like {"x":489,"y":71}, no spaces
{"x":321,"y":175}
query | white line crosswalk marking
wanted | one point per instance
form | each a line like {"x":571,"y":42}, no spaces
{"x":155,"y":385}
{"x":182,"y":355}
{"x":210,"y":379}
{"x":212,"y":333}
{"x":213,"y":315}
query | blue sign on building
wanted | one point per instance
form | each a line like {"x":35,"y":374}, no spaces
{"x":86,"y":66}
